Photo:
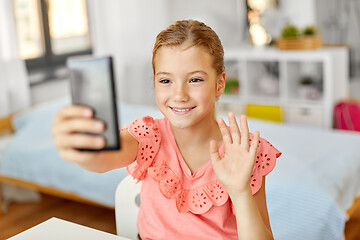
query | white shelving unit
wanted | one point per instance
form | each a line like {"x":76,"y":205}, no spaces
{"x":272,"y":77}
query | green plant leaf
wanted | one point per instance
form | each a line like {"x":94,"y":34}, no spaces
{"x":290,"y":31}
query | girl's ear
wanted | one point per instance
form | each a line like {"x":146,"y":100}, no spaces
{"x":220,"y":86}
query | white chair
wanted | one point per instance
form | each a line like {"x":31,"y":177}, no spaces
{"x":127,"y":207}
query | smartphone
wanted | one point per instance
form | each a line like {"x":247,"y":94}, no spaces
{"x":92,"y":83}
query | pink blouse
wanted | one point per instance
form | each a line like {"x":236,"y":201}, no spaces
{"x":176,"y":204}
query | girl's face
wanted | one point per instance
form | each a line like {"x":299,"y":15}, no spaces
{"x":186,"y":85}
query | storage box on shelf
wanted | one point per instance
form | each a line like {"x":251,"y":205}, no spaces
{"x":299,"y":43}
{"x":304,"y":83}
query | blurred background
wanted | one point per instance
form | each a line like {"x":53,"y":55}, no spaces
{"x":36,"y":37}
{"x":286,"y":61}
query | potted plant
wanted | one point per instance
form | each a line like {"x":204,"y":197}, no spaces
{"x":231,"y":86}
{"x":294,"y":39}
{"x":290,"y":31}
{"x":309,"y":31}
{"x":308,"y":88}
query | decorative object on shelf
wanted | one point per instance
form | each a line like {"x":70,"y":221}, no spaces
{"x":290,"y":31}
{"x":309,"y":31}
{"x":268,"y":85}
{"x":232,"y":86}
{"x":294,"y":39}
{"x":308,"y":89}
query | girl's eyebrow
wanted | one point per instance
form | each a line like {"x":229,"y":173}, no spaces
{"x":162,"y":73}
{"x":190,"y":73}
{"x":197,"y":72}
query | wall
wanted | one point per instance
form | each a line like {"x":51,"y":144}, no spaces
{"x":301,"y":13}
{"x":340,"y":24}
{"x":227,"y":18}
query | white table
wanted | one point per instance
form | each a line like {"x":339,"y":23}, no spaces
{"x":58,"y":229}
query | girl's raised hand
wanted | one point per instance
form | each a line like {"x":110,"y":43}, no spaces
{"x":234,"y":169}
{"x":67,"y":130}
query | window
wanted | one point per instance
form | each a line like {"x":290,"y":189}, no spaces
{"x":49,"y":31}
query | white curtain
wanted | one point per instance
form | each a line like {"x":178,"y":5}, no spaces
{"x":127,"y":30}
{"x":14,"y":86}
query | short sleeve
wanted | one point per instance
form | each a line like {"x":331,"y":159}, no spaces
{"x":145,"y":131}
{"x":265,"y":161}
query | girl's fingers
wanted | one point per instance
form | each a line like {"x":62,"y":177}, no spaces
{"x":244,"y":132}
{"x":214,"y":151}
{"x":78,"y":140}
{"x":73,"y":111}
{"x":79,"y":125}
{"x":254,"y":144}
{"x":235,"y":132}
{"x":224,"y":131}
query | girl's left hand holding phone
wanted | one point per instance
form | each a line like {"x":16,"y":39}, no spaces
{"x":234,"y":169}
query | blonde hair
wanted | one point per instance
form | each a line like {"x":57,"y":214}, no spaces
{"x":193,"y":33}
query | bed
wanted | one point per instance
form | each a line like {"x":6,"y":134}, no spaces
{"x":313,"y":190}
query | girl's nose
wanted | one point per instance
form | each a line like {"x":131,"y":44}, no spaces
{"x":181,"y":93}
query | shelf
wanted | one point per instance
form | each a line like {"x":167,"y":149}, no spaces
{"x":313,"y":104}
{"x":274,"y":101}
{"x":273,"y":77}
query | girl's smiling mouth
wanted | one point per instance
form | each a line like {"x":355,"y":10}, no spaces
{"x":181,"y":110}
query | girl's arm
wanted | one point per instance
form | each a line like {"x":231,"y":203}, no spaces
{"x":251,"y":215}
{"x":108,"y":160}
{"x":70,"y":121}
{"x":234,"y":170}
{"x":260,"y":201}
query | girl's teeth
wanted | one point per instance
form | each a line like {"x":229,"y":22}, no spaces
{"x":181,"y":110}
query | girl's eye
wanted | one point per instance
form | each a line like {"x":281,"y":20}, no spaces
{"x":196,"y":80}
{"x":165,"y":81}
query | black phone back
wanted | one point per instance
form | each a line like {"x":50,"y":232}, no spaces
{"x":92,"y":84}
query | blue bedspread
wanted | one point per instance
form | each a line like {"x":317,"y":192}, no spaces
{"x":31,"y":155}
{"x":314,"y":182}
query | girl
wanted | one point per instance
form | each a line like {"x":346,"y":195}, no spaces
{"x":201,"y":178}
